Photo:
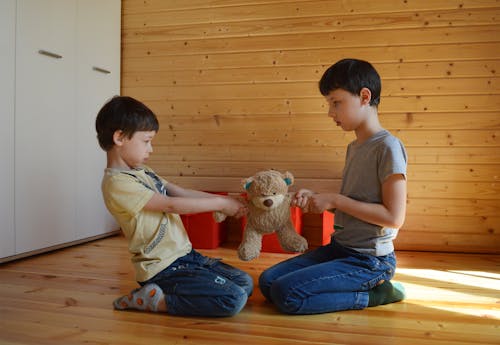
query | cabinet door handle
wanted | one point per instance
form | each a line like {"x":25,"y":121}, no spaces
{"x":102,"y":70}
{"x":50,"y":54}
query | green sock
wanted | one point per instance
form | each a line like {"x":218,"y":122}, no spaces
{"x":386,"y":293}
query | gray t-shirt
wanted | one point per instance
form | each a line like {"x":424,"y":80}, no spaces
{"x":367,"y":166}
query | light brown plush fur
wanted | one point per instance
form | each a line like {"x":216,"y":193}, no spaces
{"x":269,"y":212}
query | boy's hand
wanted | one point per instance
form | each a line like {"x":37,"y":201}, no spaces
{"x":234,"y":208}
{"x":301,"y":199}
{"x":321,"y":202}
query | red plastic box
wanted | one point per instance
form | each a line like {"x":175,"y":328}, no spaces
{"x":328,"y":222}
{"x":270,"y":242}
{"x":203,"y":231}
{"x":318,"y":228}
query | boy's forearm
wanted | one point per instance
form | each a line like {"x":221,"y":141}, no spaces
{"x":174,"y":190}
{"x":191,"y":193}
{"x":368,"y":212}
{"x":184,"y":205}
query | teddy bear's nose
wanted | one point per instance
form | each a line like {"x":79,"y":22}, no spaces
{"x":268,"y":203}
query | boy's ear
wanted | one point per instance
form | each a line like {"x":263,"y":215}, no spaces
{"x":118,"y":137}
{"x":365,"y":95}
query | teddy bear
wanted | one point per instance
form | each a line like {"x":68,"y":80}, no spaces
{"x":269,"y":212}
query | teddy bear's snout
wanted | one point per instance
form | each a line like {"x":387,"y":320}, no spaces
{"x":268,"y":202}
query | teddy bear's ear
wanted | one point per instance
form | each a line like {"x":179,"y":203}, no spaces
{"x":288,"y":177}
{"x":247,"y":182}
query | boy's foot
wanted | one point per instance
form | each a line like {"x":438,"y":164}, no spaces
{"x":386,"y":293}
{"x":147,"y":298}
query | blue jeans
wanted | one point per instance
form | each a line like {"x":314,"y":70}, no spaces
{"x":197,"y":285}
{"x":329,"y":278}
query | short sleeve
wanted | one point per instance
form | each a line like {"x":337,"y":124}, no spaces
{"x":392,"y":159}
{"x":125,"y":194}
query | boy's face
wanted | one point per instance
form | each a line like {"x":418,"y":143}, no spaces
{"x":135,"y":151}
{"x":345,"y":109}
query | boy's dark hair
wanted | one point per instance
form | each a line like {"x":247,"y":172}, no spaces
{"x":124,"y":114}
{"x":352,"y":75}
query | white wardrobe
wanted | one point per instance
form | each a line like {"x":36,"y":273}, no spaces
{"x":59,"y":63}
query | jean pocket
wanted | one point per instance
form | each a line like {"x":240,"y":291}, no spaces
{"x":370,"y":284}
{"x":382,"y":270}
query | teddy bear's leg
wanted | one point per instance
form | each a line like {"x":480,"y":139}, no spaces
{"x":290,"y":240}
{"x":250,"y":245}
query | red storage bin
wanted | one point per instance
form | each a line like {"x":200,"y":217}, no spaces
{"x":328,"y":222}
{"x":318,"y":228}
{"x":203,"y":231}
{"x":270,"y":242}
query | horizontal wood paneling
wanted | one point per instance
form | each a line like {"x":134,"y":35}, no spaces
{"x":224,"y":10}
{"x":306,"y":106}
{"x":343,"y":39}
{"x":303,"y":73}
{"x":314,"y":56}
{"x":234,"y":85}
{"x":417,"y":155}
{"x":406,"y":87}
{"x":426,"y":174}
{"x":440,"y":121}
{"x":177,"y":30}
{"x":324,"y":139}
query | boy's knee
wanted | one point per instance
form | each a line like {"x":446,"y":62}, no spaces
{"x":247,"y":284}
{"x":284,"y":299}
{"x":233,"y":303}
{"x":265,"y":284}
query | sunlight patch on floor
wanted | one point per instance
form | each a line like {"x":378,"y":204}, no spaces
{"x":456,"y":302}
{"x":483,"y":313}
{"x":478,"y":274}
{"x":445,"y":293}
{"x":448,"y":295}
{"x":484,"y":280}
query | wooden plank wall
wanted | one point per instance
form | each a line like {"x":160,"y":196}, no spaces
{"x":234,"y":84}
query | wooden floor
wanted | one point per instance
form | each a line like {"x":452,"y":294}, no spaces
{"x":64,"y":297}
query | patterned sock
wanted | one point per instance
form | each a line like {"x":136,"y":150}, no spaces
{"x":145,"y":298}
{"x":386,"y":293}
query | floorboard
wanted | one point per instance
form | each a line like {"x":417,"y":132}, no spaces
{"x":64,"y":297}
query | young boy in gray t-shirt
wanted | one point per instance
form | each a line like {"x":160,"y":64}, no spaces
{"x":354,"y":270}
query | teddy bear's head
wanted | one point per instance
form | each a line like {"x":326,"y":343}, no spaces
{"x":268,"y":189}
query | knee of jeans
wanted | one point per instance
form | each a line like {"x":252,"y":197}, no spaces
{"x":265,"y":285}
{"x":248,"y":284}
{"x":285,"y":300}
{"x":232,"y":304}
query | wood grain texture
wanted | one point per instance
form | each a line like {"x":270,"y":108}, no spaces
{"x":65,"y":297}
{"x":234,"y":85}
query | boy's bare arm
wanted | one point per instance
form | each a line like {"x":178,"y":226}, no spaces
{"x":394,"y":199}
{"x":391,"y":213}
{"x":195,"y":204}
{"x":175,"y":190}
